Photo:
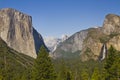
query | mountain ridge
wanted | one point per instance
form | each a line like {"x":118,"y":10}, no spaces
{"x":88,"y":43}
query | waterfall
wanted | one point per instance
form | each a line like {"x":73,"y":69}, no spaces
{"x":103,"y":52}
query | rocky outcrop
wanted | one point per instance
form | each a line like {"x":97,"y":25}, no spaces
{"x":72,"y":44}
{"x":88,"y":43}
{"x":17,"y":31}
{"x":111,"y":24}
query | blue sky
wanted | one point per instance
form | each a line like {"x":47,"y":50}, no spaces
{"x":57,"y":17}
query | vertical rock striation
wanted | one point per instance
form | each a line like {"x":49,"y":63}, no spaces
{"x":17,"y":31}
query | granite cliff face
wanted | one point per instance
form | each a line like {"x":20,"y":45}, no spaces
{"x":88,"y":43}
{"x":111,"y":24}
{"x":17,"y":31}
{"x":111,"y":27}
{"x":75,"y":42}
{"x":71,"y":45}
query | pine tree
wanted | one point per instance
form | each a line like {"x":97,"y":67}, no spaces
{"x":1,"y":78}
{"x":43,"y":68}
{"x":96,"y":74}
{"x":85,"y":75}
{"x":69,"y":76}
{"x":64,"y":73}
{"x":115,"y":68}
{"x":110,"y":66}
{"x":26,"y":74}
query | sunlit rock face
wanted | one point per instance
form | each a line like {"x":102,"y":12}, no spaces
{"x":71,"y":45}
{"x":111,"y":24}
{"x":17,"y":31}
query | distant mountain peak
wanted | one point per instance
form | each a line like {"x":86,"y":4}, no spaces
{"x":52,"y":42}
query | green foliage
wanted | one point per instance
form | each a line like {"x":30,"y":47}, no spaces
{"x":85,"y":75}
{"x":110,"y":58}
{"x":1,"y":77}
{"x":108,"y":69}
{"x":27,"y":75}
{"x":69,"y":55}
{"x":64,"y":73}
{"x":12,"y":63}
{"x":96,"y":74}
{"x":104,"y":39}
{"x":43,"y":68}
{"x":69,"y":76}
{"x":112,"y":65}
{"x":78,"y":70}
{"x":16,"y":66}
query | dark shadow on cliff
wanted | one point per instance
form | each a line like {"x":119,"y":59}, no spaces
{"x":38,"y":40}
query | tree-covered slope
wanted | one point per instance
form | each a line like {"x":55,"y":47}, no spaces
{"x":12,"y":64}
